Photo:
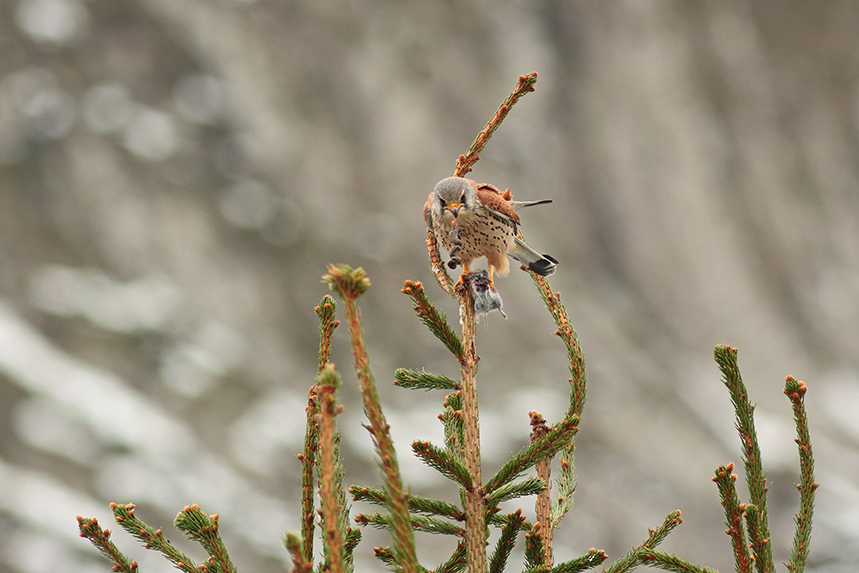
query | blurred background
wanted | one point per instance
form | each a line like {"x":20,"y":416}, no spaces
{"x":175,"y":175}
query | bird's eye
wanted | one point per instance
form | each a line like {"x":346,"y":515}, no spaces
{"x":442,"y":202}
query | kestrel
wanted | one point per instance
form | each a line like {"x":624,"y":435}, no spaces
{"x":472,"y":220}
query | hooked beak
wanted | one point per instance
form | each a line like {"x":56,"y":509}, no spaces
{"x":454,"y":208}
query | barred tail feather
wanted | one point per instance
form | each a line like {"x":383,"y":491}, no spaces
{"x":520,"y":204}
{"x":535,"y":261}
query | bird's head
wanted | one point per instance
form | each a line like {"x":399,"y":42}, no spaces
{"x":452,"y":195}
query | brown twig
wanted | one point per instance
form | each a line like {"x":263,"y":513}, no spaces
{"x":475,"y":543}
{"x":327,"y":323}
{"x":326,"y":312}
{"x":464,"y":163}
{"x":350,"y":284}
{"x":329,"y":470}
{"x":543,"y":505}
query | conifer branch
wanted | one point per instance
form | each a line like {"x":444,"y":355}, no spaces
{"x":726,"y":357}
{"x":543,"y":505}
{"x":567,"y":333}
{"x":433,"y":318}
{"x":91,"y":529}
{"x":444,"y":462}
{"x":435,"y":507}
{"x":753,"y":522}
{"x":548,"y":445}
{"x":416,"y":502}
{"x":353,"y":537}
{"x":795,"y":391}
{"x":552,"y":514}
{"x":637,"y":555}
{"x":535,"y":554}
{"x":326,"y":312}
{"x":350,"y":284}
{"x":506,"y":541}
{"x":587,"y":561}
{"x":335,"y":514}
{"x":455,"y":563}
{"x":566,"y":483}
{"x":151,"y":538}
{"x":308,"y":462}
{"x":423,"y":380}
{"x":494,"y":517}
{"x":670,"y":562}
{"x":368,"y":494}
{"x":529,"y":486}
{"x":386,"y":556}
{"x":425,"y":523}
{"x":203,"y":529}
{"x":454,"y":432}
{"x":295,"y":546}
{"x":725,"y":480}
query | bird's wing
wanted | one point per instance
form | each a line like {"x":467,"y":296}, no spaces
{"x":493,"y":200}
{"x":427,"y":207}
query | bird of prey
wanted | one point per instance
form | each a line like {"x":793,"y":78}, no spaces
{"x":472,"y":220}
